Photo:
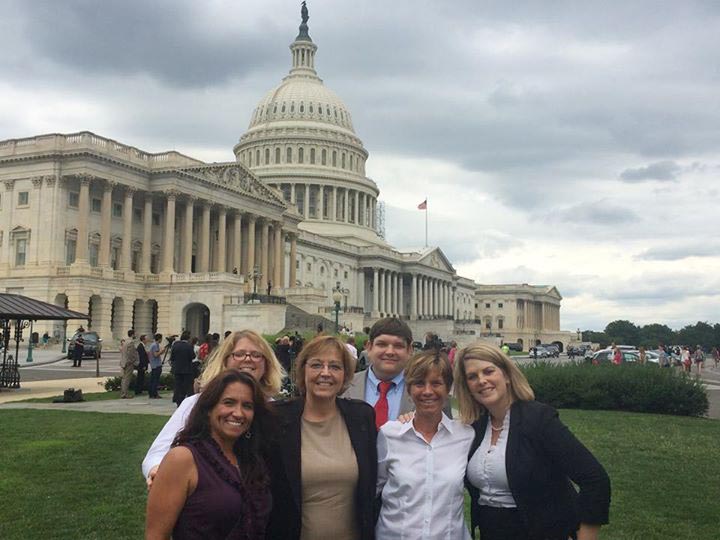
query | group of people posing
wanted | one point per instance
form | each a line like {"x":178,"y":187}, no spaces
{"x":373,"y":454}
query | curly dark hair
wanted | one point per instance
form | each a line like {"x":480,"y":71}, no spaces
{"x":249,"y":451}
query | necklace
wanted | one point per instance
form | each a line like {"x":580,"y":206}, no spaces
{"x":496,"y":428}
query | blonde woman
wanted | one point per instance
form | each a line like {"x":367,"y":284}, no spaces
{"x":523,"y":458}
{"x":245,"y":350}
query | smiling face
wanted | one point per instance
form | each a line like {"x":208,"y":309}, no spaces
{"x":233,"y":414}
{"x":241,"y":358}
{"x":488,"y":385}
{"x":324,"y":375}
{"x":429,"y":394}
{"x":388,"y":355}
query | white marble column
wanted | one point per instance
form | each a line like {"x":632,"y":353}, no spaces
{"x":376,"y":291}
{"x":222,"y":240}
{"x":277,"y":275}
{"x":360,"y":288}
{"x":293,"y":199}
{"x":357,"y":207}
{"x":293,"y":260}
{"x":335,"y":208}
{"x":264,"y":252}
{"x":81,"y":249}
{"x":203,"y":264}
{"x":237,"y":242}
{"x":414,"y":298}
{"x":252,"y":220}
{"x":306,"y":203}
{"x":388,"y":292}
{"x":401,"y":300}
{"x":187,"y":245}
{"x":105,"y":226}
{"x":169,"y":238}
{"x":347,"y":205}
{"x":147,"y":234}
{"x":321,"y":202}
{"x":126,"y":248}
{"x":382,"y":305}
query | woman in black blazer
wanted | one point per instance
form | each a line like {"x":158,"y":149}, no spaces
{"x":323,"y":466}
{"x":523,"y":458}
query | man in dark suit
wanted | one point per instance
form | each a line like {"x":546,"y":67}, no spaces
{"x":382,"y":385}
{"x":181,"y":362}
{"x":142,"y":365}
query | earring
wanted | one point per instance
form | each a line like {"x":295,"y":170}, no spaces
{"x":248,"y":434}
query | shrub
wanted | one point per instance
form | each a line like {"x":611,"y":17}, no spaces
{"x":167,"y":382}
{"x":627,"y":387}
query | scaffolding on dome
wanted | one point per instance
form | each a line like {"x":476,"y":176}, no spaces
{"x":380,"y":219}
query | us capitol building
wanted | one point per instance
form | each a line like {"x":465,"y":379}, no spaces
{"x":162,"y":242}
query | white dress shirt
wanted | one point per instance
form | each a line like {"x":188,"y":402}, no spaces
{"x":486,"y":469}
{"x":422,"y":483}
{"x":161,"y":444}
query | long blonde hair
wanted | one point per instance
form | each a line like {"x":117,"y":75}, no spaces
{"x":470,"y":409}
{"x":270,"y":382}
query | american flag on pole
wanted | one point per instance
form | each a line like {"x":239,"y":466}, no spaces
{"x":423,"y":205}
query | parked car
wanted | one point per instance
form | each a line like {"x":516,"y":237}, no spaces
{"x":540,"y":352}
{"x":606,"y":355}
{"x":517,"y":347}
{"x":93,"y":343}
{"x":554,"y":350}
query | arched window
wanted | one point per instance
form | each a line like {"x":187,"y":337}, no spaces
{"x":250,"y":159}
{"x":275,"y":108}
{"x":277,"y":155}
{"x":283,"y":107}
{"x":319,"y":109}
{"x":311,"y":108}
{"x":334,"y":158}
{"x":292,"y":106}
{"x":267,"y":156}
{"x":323,"y":157}
{"x":301,"y":155}
{"x":302,"y":107}
{"x":343,"y":160}
{"x":257,"y":157}
{"x":312,"y":156}
{"x":288,"y":155}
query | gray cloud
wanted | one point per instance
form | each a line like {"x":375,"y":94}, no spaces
{"x":666,"y":171}
{"x":603,"y":213}
{"x":681,"y":251}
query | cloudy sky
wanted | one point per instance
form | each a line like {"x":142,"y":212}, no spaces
{"x":567,"y":143}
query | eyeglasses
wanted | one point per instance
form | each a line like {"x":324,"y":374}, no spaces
{"x":319,"y":366}
{"x":254,"y":355}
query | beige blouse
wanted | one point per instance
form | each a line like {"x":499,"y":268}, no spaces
{"x":329,"y":473}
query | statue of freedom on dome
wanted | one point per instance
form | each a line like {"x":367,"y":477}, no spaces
{"x":304,"y":13}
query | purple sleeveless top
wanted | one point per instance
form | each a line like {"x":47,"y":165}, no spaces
{"x":221,"y":507}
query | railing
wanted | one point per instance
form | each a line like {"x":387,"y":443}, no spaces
{"x":254,"y":298}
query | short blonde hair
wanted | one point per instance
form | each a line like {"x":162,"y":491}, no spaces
{"x":270,"y":382}
{"x":319,"y":345}
{"x":470,"y":409}
{"x":422,"y":363}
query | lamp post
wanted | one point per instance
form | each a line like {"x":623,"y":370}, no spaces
{"x":64,"y":337}
{"x":579,"y":336}
{"x":255,"y":275}
{"x":337,"y":296}
{"x":30,"y":344}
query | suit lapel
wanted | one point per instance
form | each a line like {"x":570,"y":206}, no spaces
{"x":291,"y":449}
{"x":513,"y":443}
{"x":357,"y":386}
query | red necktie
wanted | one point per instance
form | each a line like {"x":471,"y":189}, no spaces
{"x":381,"y":407}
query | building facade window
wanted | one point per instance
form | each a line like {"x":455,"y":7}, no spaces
{"x":267,"y":156}
{"x":70,"y":249}
{"x":323,"y":157}
{"x":334,"y":158}
{"x":312,"y":156}
{"x":277,"y":155}
{"x":20,"y":251}
{"x":487,"y":305}
{"x":93,"y":254}
{"x":73,"y":199}
{"x":288,"y":155}
{"x":137,"y":215}
{"x":500,"y":305}
{"x":156,"y":219}
{"x":501,"y":323}
{"x":117,"y":209}
{"x":23,"y":198}
{"x":96,"y":205}
{"x":301,"y":155}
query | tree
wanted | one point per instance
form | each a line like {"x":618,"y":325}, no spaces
{"x":651,"y":335}
{"x":623,"y":332}
{"x":701,"y":333}
{"x":595,"y":337}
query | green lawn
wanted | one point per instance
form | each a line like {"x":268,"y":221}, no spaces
{"x":66,"y":474}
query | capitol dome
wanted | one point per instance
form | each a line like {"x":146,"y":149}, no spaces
{"x":301,"y":141}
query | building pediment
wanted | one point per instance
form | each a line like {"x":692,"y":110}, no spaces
{"x":435,"y":258}
{"x":235,"y":177}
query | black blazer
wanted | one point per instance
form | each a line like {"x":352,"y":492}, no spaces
{"x":181,"y":357}
{"x":284,"y":458}
{"x":542,"y":456}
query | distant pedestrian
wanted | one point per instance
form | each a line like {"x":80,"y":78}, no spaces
{"x":269,"y":287}
{"x":142,"y":365}
{"x":155,"y":359}
{"x":129,"y":360}
{"x":716,"y":356}
{"x":642,"y":356}
{"x":617,"y":356}
{"x":663,"y":359}
{"x":686,"y":361}
{"x":79,"y":349}
{"x":350,"y":345}
{"x":699,"y":358}
{"x":181,"y":362}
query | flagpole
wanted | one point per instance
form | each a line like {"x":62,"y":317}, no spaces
{"x":426,"y":223}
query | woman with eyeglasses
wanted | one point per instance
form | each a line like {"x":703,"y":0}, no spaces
{"x":323,"y":467}
{"x":245,"y":350}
